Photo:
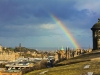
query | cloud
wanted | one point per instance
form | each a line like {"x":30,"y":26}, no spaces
{"x":22,"y":12}
{"x":90,"y":5}
{"x":29,"y":30}
{"x":48,"y":26}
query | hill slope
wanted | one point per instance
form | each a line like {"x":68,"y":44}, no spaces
{"x":80,"y":65}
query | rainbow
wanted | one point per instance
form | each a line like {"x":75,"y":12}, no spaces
{"x":66,"y":31}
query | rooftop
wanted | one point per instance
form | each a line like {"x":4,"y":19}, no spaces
{"x":96,"y":25}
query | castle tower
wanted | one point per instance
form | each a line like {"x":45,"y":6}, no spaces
{"x":96,"y":35}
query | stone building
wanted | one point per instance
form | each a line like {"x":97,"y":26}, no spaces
{"x":96,"y":35}
{"x":0,"y":48}
{"x":8,"y":56}
{"x":56,"y":57}
{"x":60,"y":55}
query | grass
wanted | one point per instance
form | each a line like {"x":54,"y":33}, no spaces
{"x":74,"y":66}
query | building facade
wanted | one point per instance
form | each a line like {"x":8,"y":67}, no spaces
{"x":8,"y":56}
{"x":60,"y":55}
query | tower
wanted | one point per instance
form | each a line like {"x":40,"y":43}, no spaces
{"x":20,"y":49}
{"x":96,"y":35}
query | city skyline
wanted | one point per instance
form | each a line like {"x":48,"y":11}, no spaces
{"x":29,"y":22}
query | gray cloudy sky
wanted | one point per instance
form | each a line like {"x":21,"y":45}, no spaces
{"x":29,"y":22}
